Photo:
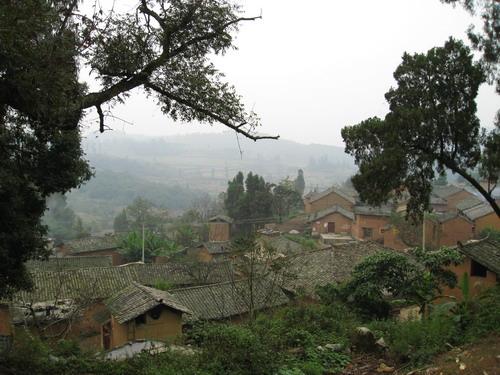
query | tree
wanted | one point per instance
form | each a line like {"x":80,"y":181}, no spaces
{"x":286,"y":199}
{"x":432,"y":124}
{"x":61,"y":220}
{"x":162,"y":46}
{"x":389,"y":274}
{"x":121,"y":223}
{"x":142,"y":213}
{"x":300,"y":184}
{"x":154,"y":245}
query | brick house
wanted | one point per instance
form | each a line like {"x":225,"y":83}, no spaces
{"x":335,"y":219}
{"x":483,"y":216}
{"x":370,"y":222}
{"x":447,"y":229}
{"x":219,"y":228}
{"x":334,"y":196}
{"x":92,"y":246}
{"x":452,"y":194}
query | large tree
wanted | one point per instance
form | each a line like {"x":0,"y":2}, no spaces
{"x":162,"y":47}
{"x":432,"y":125}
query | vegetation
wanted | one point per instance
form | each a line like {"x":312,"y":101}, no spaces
{"x":425,"y":129}
{"x":154,"y":245}
{"x":61,"y":220}
{"x":160,"y":46}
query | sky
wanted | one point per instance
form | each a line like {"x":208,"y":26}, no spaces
{"x":309,"y":68}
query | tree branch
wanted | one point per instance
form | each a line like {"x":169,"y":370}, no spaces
{"x":236,"y":127}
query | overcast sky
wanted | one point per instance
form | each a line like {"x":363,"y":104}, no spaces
{"x":308,"y":68}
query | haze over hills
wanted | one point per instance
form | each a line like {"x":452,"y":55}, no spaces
{"x":172,"y":171}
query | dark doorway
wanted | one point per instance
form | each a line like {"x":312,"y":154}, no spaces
{"x":331,"y":227}
{"x":106,"y":336}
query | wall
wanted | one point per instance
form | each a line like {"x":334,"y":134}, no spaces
{"x":370,"y":221}
{"x":219,"y":232}
{"x":476,"y":284}
{"x":327,"y":201}
{"x":6,"y":328}
{"x":489,"y":221}
{"x":391,"y":239}
{"x":342,"y":224}
{"x":117,"y":258}
{"x":447,"y":233}
{"x":167,"y":326}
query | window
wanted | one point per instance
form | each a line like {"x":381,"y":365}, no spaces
{"x":367,"y":232}
{"x":477,"y":269}
{"x":155,"y":312}
{"x":141,"y":319}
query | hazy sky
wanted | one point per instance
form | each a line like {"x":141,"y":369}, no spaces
{"x":308,"y":68}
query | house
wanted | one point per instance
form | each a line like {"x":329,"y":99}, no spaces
{"x":92,"y":246}
{"x":231,"y":301}
{"x":68,"y":263}
{"x":333,"y":196}
{"x":335,"y":219}
{"x":452,"y":194}
{"x":483,"y":216}
{"x":326,"y":266}
{"x":447,"y":229}
{"x":482,"y":265}
{"x":219,"y":228}
{"x":138,"y":312}
{"x":370,"y":221}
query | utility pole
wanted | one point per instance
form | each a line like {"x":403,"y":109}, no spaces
{"x":143,"y":241}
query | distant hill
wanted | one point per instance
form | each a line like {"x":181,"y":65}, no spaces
{"x":173,"y":171}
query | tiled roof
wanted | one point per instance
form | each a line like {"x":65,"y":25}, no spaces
{"x":102,"y":282}
{"x":434,"y":199}
{"x":485,"y":252}
{"x":478,"y":211}
{"x":283,"y":245}
{"x":137,"y":299}
{"x":83,"y":245}
{"x":468,"y":203}
{"x":68,"y":263}
{"x":217,"y":247}
{"x":446,"y":191}
{"x":445,"y":216}
{"x":322,"y":267}
{"x":328,"y":211}
{"x":220,"y":301}
{"x":348,"y":196}
{"x":372,"y":210}
{"x":221,"y":218}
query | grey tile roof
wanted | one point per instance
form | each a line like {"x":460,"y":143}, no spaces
{"x":283,"y":245}
{"x":215,"y":248}
{"x":446,"y":191}
{"x":225,"y":300}
{"x":485,"y":252}
{"x":322,"y":267}
{"x":102,"y":282}
{"x":478,"y":211}
{"x":328,"y":211}
{"x":468,"y":203}
{"x":372,"y":210}
{"x":68,"y":263}
{"x":221,"y":218}
{"x":347,"y":195}
{"x":136,"y":299}
{"x":88,"y":244}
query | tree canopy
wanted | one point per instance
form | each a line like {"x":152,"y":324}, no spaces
{"x":162,"y":47}
{"x":432,"y":126}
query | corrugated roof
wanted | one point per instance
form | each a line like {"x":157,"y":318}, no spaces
{"x":349,"y":196}
{"x":372,"y":210}
{"x":322,"y":267}
{"x":92,"y":244}
{"x":328,"y":211}
{"x":478,"y":211}
{"x":224,"y":300}
{"x":136,"y":299}
{"x":68,"y":263}
{"x":485,"y":252}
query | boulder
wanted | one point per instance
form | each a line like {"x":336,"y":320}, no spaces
{"x":364,"y":340}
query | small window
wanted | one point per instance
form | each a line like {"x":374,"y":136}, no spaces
{"x":141,"y":319}
{"x":367,"y":232}
{"x":155,"y":312}
{"x":477,"y":269}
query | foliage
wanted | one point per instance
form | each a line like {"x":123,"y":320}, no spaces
{"x":389,"y":275}
{"x":432,"y":123}
{"x":306,"y":241}
{"x":154,"y":245}
{"x":490,"y":233}
{"x":286,"y":199}
{"x":186,"y":236}
{"x":61,"y":220}
{"x":160,"y":46}
{"x":300,"y":183}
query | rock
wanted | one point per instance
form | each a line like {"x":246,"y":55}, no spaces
{"x":383,"y":368}
{"x":334,"y":347}
{"x":381,"y":343}
{"x":293,"y":231}
{"x":364,"y":340}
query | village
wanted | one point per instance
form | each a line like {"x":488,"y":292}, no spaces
{"x":85,"y":291}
